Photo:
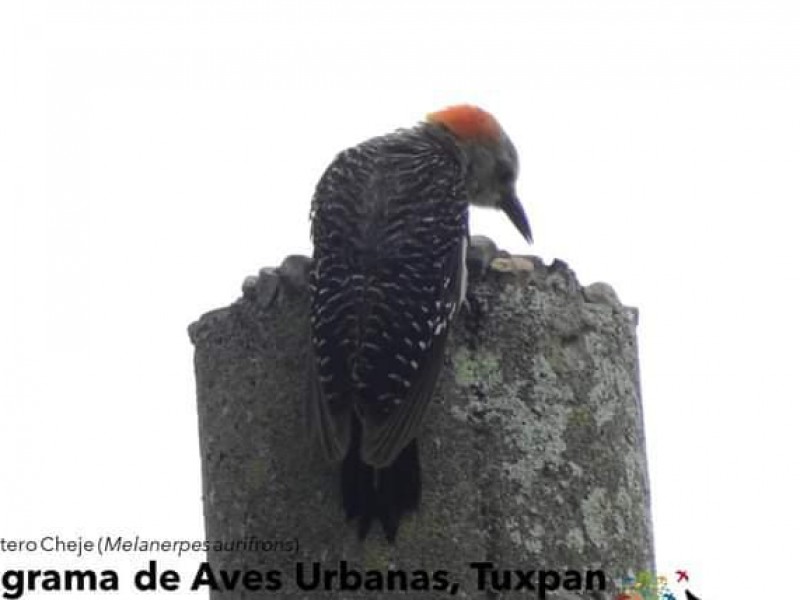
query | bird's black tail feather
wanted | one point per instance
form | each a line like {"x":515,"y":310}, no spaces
{"x":384,"y":494}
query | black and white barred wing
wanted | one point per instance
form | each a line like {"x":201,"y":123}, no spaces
{"x":335,"y":300}
{"x":405,"y":374}
{"x":386,"y":376}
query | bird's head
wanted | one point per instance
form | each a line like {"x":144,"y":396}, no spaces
{"x":492,"y":163}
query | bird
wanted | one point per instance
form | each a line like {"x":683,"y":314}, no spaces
{"x":390,"y":231}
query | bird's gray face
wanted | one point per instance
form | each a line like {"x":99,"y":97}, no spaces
{"x":492,"y":177}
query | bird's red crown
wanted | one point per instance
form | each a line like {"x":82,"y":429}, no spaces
{"x":467,"y":122}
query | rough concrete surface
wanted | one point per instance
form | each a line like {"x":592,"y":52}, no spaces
{"x":533,"y":451}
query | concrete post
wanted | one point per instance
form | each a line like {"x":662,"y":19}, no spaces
{"x":533,"y":452}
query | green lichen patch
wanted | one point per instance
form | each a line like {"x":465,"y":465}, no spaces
{"x":476,"y":366}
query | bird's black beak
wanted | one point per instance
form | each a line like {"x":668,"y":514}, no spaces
{"x":511,"y":205}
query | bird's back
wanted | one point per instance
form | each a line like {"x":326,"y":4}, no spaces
{"x":389,"y":219}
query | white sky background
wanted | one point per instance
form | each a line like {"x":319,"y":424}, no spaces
{"x":154,"y":153}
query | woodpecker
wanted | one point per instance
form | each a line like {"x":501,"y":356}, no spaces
{"x":390,"y":232}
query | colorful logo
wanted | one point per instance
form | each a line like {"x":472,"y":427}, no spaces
{"x":650,"y":586}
